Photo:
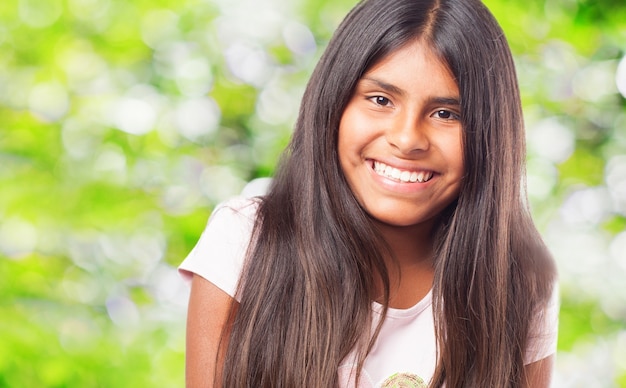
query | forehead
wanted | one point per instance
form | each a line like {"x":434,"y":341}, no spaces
{"x":414,"y":66}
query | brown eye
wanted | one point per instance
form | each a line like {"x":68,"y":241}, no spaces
{"x":444,"y":114}
{"x":380,"y":100}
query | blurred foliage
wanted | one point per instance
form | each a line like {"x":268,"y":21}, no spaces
{"x":123,"y":122}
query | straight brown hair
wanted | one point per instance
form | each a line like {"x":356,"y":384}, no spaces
{"x":308,"y":283}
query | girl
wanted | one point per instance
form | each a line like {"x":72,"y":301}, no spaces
{"x":394,"y":247}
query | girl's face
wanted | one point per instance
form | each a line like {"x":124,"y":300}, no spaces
{"x":400,"y":144}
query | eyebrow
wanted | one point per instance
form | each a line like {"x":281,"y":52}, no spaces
{"x":449,"y":101}
{"x":393,"y":89}
{"x":385,"y":86}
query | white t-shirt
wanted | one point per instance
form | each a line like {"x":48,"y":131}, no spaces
{"x":405,"y":350}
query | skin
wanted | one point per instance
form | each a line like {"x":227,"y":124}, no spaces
{"x":404,"y":113}
{"x":207,"y":316}
{"x":407,"y":120}
{"x":539,"y":373}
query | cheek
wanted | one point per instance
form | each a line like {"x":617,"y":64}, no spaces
{"x":341,"y":142}
{"x":347,"y":137}
{"x":456,"y":157}
{"x":459,"y":160}
{"x":343,"y":151}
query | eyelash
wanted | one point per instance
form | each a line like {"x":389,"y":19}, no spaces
{"x":451,"y":115}
{"x":380,"y":100}
{"x":384,"y":102}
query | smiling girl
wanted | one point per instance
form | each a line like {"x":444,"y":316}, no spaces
{"x":394,"y":246}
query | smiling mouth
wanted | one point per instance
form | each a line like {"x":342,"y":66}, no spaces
{"x":403,"y":176}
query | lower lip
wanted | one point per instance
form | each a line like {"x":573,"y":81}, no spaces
{"x":401,"y":187}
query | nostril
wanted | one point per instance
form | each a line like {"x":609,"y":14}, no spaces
{"x":406,"y":133}
{"x":408,"y":142}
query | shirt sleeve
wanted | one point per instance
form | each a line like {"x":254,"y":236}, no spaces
{"x":544,"y":331}
{"x":220,"y":252}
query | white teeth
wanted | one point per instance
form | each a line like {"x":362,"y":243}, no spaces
{"x":400,"y":175}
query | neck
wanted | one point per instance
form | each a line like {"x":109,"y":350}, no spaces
{"x":410,"y":263}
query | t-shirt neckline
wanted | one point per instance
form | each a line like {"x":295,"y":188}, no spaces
{"x":416,"y":309}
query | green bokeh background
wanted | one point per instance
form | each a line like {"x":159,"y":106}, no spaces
{"x":123,"y":122}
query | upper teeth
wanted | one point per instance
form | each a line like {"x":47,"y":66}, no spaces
{"x":401,"y":175}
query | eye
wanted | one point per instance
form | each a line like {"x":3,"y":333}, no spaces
{"x":445,"y":115}
{"x":380,"y":100}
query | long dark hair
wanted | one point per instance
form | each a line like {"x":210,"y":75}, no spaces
{"x":306,"y":290}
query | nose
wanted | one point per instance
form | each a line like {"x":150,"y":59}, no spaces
{"x":407,"y":134}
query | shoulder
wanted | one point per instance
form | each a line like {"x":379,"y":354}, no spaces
{"x":238,"y":207}
{"x":543,"y":333}
{"x":221,"y":250}
{"x":231,"y":221}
